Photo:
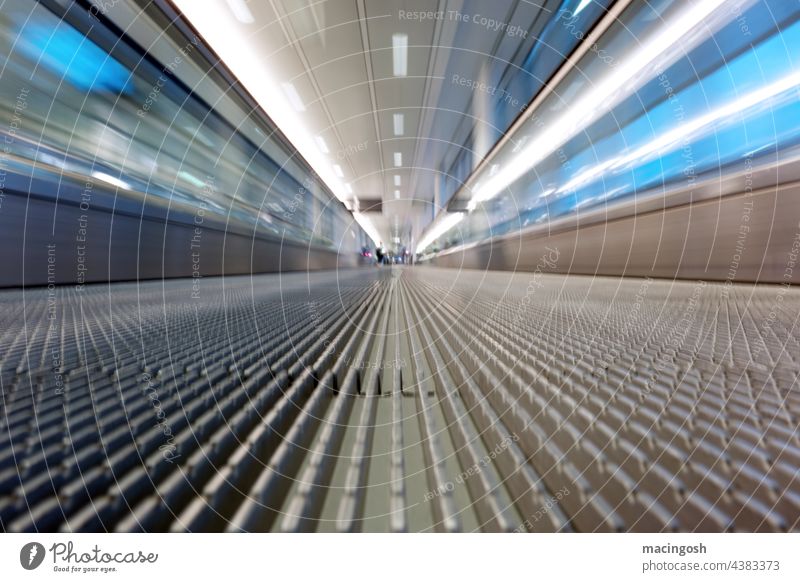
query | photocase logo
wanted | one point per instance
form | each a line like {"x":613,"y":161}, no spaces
{"x":31,"y":555}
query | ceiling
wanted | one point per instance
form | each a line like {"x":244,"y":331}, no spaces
{"x":325,"y":72}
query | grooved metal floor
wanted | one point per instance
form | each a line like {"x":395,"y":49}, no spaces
{"x":400,"y":399}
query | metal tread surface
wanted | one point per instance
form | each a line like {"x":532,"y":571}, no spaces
{"x":400,"y":399}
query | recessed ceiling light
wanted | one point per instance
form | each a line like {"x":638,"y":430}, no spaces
{"x":398,"y":119}
{"x":396,"y":194}
{"x":241,"y":11}
{"x":398,"y":159}
{"x":400,"y":54}
{"x":396,"y":179}
{"x":323,"y":147}
{"x":338,"y":170}
{"x":348,"y":188}
{"x":293,"y":96}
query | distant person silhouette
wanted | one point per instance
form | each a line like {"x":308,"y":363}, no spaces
{"x":379,"y":253}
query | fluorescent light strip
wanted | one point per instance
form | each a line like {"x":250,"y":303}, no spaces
{"x":368,"y":227}
{"x":241,"y":11}
{"x":398,"y":159}
{"x":583,"y":111}
{"x":397,"y":180}
{"x":323,"y":147}
{"x":439,"y":229}
{"x":400,"y":54}
{"x":293,"y":96}
{"x":337,"y":169}
{"x":280,"y":101}
{"x":398,"y":120}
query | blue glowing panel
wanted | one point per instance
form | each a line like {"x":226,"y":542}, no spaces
{"x":73,"y":57}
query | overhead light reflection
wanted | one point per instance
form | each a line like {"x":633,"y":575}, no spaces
{"x":672,"y":139}
{"x":108,"y":179}
{"x":194,"y":181}
{"x":438,"y":229}
{"x":583,"y":4}
{"x":584,"y":110}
